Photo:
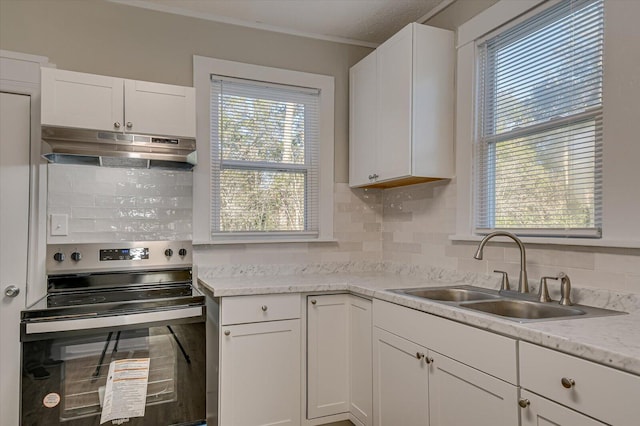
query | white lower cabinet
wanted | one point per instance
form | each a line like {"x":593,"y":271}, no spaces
{"x":400,"y":381}
{"x":327,"y":355}
{"x":539,"y":411}
{"x":339,"y":359}
{"x":600,"y":392}
{"x":415,"y":384}
{"x":360,"y":361}
{"x":260,"y":364}
{"x":461,"y":395}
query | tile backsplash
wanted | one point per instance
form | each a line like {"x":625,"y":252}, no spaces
{"x":408,"y":225}
{"x":117,"y":204}
{"x":411,"y":225}
{"x":357,"y":222}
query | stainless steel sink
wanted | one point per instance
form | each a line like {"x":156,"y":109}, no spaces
{"x":452,"y":294}
{"x":523,"y":309}
{"x":508,"y":305}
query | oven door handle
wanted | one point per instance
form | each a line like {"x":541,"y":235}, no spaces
{"x":55,"y":326}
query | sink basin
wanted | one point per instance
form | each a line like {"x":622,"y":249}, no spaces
{"x":508,"y":305}
{"x":523,"y":309}
{"x":455,"y":294}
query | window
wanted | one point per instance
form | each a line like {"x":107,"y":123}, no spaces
{"x":265,"y":154}
{"x":264,"y":149}
{"x":538,"y":145}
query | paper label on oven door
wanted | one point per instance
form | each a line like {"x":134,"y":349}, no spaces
{"x":125,"y":394}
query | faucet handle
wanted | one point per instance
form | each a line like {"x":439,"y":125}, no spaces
{"x":505,"y":280}
{"x":543,"y":291}
{"x":565,"y":289}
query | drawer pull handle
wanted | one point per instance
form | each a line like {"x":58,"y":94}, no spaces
{"x":419,"y":355}
{"x":568,"y":383}
{"x":264,"y":308}
{"x":524,"y":403}
{"x":428,"y":360}
{"x":314,"y":301}
{"x":227,"y":332}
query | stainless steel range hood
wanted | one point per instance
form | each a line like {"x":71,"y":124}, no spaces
{"x":113,"y":149}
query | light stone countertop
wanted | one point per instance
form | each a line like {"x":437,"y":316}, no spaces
{"x":613,"y":341}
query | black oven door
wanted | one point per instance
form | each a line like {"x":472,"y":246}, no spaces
{"x":65,"y":369}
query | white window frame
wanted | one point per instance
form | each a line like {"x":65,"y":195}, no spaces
{"x":203,"y":68}
{"x":619,"y":228}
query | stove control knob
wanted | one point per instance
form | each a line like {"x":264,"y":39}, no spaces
{"x":58,"y":257}
{"x":182,"y":252}
{"x":76,"y":256}
{"x":168,"y":252}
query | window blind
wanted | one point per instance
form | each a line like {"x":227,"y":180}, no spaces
{"x":265,"y":156}
{"x":538,"y":150}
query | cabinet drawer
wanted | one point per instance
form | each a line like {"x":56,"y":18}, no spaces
{"x":271,"y":307}
{"x":494,"y":354}
{"x":601,"y":392}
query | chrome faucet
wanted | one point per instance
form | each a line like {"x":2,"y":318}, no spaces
{"x":523,"y":285}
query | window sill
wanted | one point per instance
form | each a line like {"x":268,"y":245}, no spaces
{"x":584,"y":242}
{"x":262,"y":241}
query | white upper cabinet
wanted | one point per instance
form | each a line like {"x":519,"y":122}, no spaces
{"x":160,"y":109}
{"x":87,"y":101}
{"x":363,"y":80}
{"x":401,"y":110}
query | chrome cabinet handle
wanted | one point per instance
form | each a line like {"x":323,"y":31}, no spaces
{"x":116,"y":124}
{"x":129,"y":124}
{"x":227,"y":332}
{"x":264,"y":308}
{"x":524,"y":403}
{"x":419,"y":355}
{"x":314,"y":301}
{"x":567,"y":383}
{"x":11,"y":291}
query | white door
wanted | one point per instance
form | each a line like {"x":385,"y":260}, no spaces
{"x":463,"y":396}
{"x":395,"y":88}
{"x":14,"y":213}
{"x":400,"y":381}
{"x":542,"y":412}
{"x":363,"y":95}
{"x":327,"y":355}
{"x":80,"y":100}
{"x":360,"y":360}
{"x":159,"y":109}
{"x":260,"y":374}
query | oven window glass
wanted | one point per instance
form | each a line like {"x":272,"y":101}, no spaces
{"x":64,"y":377}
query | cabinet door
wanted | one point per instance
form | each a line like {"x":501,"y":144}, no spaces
{"x":360,"y":359}
{"x":260,"y":374}
{"x":327,"y":355}
{"x":160,"y":109}
{"x":542,"y":412}
{"x":400,"y":381}
{"x":86,"y":101}
{"x":363,"y":87}
{"x":461,"y":395}
{"x":395,"y":87}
